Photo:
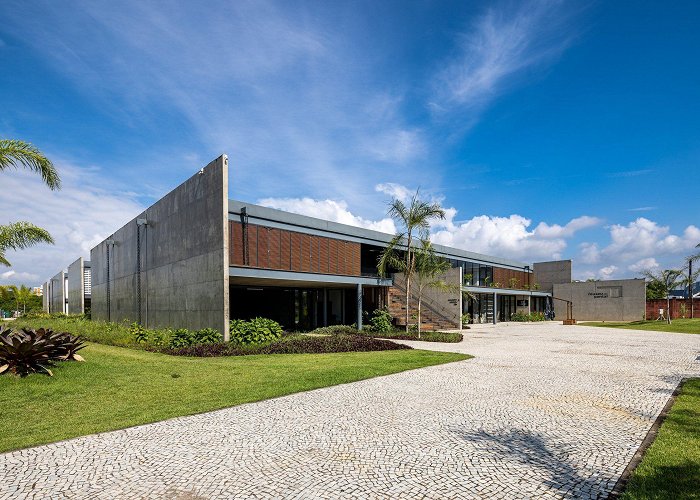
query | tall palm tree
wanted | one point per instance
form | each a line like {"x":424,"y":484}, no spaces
{"x":413,"y":221}
{"x":666,"y":280}
{"x":16,"y":154}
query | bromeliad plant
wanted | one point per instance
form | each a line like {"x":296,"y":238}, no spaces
{"x":34,"y":351}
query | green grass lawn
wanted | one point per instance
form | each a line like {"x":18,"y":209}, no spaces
{"x":428,"y":336}
{"x":118,"y":387}
{"x":671,"y":466}
{"x":677,"y":325}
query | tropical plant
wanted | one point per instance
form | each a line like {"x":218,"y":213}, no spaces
{"x":255,"y":331}
{"x":36,"y":351}
{"x":466,"y":318}
{"x":208,"y":336}
{"x":665,"y":281}
{"x":413,"y":220}
{"x":20,"y":235}
{"x":514,"y":283}
{"x":381,"y":321}
{"x":429,"y":271}
{"x":181,"y":337}
{"x":23,"y":295}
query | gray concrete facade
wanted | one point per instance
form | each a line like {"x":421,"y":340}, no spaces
{"x":168,"y":267}
{"x":45,"y":296}
{"x":57,"y":293}
{"x":610,"y":300}
{"x":546,"y":274}
{"x":76,"y":287}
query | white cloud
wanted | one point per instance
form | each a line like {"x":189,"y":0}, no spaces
{"x":16,"y":278}
{"x":502,"y":43}
{"x":639,"y":245}
{"x":336,"y":211}
{"x":607,"y":272}
{"x":504,"y":236}
{"x":544,"y":230}
{"x":643,"y":265}
{"x":394,"y":190}
{"x":590,"y":253}
{"x":85,"y":211}
{"x":644,"y":238}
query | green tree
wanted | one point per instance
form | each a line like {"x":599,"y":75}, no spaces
{"x":655,"y":290}
{"x":413,"y":222}
{"x":23,"y":296}
{"x":16,"y":154}
{"x":665,"y":281}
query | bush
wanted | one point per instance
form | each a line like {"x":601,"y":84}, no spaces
{"x":255,"y":331}
{"x":35,"y":351}
{"x":208,"y":336}
{"x":335,"y":330}
{"x":181,"y":337}
{"x":533,"y":316}
{"x":519,"y":316}
{"x":381,"y":321}
{"x":292,"y":344}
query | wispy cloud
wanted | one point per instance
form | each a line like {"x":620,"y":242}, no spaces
{"x":497,"y":48}
{"x":85,"y":211}
{"x":630,"y":173}
{"x":641,"y":209}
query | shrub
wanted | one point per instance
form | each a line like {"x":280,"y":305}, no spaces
{"x":381,"y":321}
{"x":35,"y":351}
{"x":181,"y":337}
{"x":519,"y":316}
{"x":255,"y":331}
{"x":537,"y":316}
{"x":335,"y":330}
{"x":139,"y":333}
{"x":208,"y":336}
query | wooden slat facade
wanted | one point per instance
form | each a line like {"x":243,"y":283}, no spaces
{"x":279,"y":249}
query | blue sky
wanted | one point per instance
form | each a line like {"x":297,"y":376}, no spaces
{"x":548,"y":129}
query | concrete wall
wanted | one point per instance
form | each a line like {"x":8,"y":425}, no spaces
{"x":546,"y":274}
{"x":57,"y":298}
{"x":45,"y":296}
{"x":184,"y":259}
{"x":595,"y":300}
{"x":76,"y":287}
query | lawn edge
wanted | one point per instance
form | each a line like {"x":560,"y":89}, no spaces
{"x":621,"y":484}
{"x":468,"y":357}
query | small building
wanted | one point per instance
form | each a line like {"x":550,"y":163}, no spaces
{"x":598,"y":300}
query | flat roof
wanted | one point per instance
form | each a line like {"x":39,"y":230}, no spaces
{"x":303,"y":223}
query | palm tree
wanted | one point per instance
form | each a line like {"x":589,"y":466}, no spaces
{"x":692,"y":277}
{"x":429,"y":271}
{"x":16,"y":154}
{"x":665,"y":281}
{"x":411,"y":219}
{"x":23,"y":294}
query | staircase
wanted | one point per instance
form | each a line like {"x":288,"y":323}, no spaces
{"x":433,"y":315}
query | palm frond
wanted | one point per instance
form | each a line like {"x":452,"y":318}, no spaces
{"x":14,"y":153}
{"x":19,"y":235}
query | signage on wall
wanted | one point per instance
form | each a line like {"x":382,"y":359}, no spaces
{"x":522,"y":303}
{"x":598,"y":295}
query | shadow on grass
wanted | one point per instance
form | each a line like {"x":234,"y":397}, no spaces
{"x":665,"y":481}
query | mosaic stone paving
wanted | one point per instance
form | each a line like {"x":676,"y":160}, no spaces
{"x":543,"y":411}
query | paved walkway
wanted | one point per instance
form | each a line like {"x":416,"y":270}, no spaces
{"x":543,"y":411}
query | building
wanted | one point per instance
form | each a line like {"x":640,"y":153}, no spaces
{"x":196,"y":259}
{"x":598,"y":300}
{"x":69,"y":292}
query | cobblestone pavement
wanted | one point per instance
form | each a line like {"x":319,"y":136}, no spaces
{"x":543,"y":411}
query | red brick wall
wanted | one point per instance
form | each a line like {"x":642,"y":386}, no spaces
{"x":272,"y":248}
{"x":653,"y":306}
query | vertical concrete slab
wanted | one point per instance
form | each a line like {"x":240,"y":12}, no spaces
{"x":57,"y":289}
{"x":610,"y":300}
{"x":169,"y":265}
{"x":45,"y":296}
{"x":76,"y":287}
